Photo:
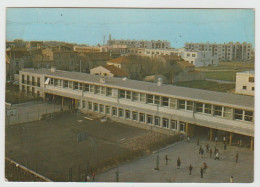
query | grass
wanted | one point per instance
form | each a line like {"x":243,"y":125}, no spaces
{"x":235,"y":66}
{"x":207,"y":85}
{"x":221,"y":75}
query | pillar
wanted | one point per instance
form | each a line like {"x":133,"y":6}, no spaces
{"x":187,"y":129}
{"x":53,"y":97}
{"x":62,"y":101}
{"x":210,"y":134}
{"x":230,"y":138}
{"x":252,"y":144}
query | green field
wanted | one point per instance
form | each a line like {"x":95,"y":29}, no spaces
{"x":232,"y":66}
{"x":221,"y":75}
{"x":208,"y":85}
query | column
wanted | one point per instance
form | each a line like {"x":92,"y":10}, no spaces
{"x":210,"y":134}
{"x":252,"y":144}
{"x":230,"y":138}
{"x":62,"y":101}
{"x":178,"y":126}
{"x":187,"y":129}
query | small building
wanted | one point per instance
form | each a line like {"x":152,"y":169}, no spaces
{"x":245,"y":82}
{"x":108,"y":71}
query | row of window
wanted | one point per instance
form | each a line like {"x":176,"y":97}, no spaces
{"x":252,"y":88}
{"x":135,"y":116}
{"x":35,"y":81}
{"x":220,"y":111}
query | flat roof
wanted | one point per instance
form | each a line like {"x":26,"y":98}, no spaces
{"x":228,"y":99}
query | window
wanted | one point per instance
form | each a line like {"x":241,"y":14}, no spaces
{"x":150,"y":99}
{"x":91,"y":88}
{"x":165,"y":101}
{"x":109,"y":92}
{"x":76,"y":86}
{"x":84,"y":104}
{"x":173,"y":102}
{"x":142,"y":97}
{"x":107,"y":109}
{"x":218,"y":110}
{"x":251,"y":79}
{"x":156,"y":99}
{"x":188,"y":54}
{"x":193,"y":55}
{"x":95,"y":107}
{"x":189,"y":105}
{"x":66,"y":84}
{"x":128,"y":95}
{"x":227,"y":112}
{"x":181,"y":104}
{"x":157,"y":120}
{"x":103,"y":90}
{"x":86,"y":87}
{"x":101,"y":108}
{"x":121,"y":112}
{"x":253,"y":88}
{"x":80,"y":86}
{"x":238,"y":114}
{"x":135,"y":96}
{"x":127,"y":114}
{"x":114,"y":111}
{"x":97,"y":89}
{"x":182,"y":126}
{"x":70,"y":84}
{"x":248,"y":116}
{"x":134,"y":116}
{"x":165,"y":123}
{"x":199,"y":107}
{"x":207,"y":108}
{"x":174,"y":124}
{"x":141,"y":117}
{"x":89,"y":105}
{"x":149,"y":119}
{"x":244,"y":87}
{"x":122,"y":94}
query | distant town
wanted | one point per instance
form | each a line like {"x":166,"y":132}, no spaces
{"x":84,"y":111}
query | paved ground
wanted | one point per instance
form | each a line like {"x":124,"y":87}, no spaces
{"x":51,"y":147}
{"x":32,"y":111}
{"x":219,"y":171}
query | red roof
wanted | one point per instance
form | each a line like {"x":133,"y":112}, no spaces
{"x":116,"y":71}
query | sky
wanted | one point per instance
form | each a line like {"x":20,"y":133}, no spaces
{"x":90,"y":25}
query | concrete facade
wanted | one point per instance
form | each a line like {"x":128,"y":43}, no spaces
{"x":164,"y":107}
{"x":245,"y":83}
{"x":225,"y":52}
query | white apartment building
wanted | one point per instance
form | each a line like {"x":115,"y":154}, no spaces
{"x":153,"y":44}
{"x":224,"y":52}
{"x":197,"y":58}
{"x":164,"y":108}
{"x":245,"y":82}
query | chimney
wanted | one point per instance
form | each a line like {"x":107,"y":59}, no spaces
{"x":159,"y":82}
{"x":53,"y":69}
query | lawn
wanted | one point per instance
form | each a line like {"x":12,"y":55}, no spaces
{"x":235,"y":66}
{"x":221,"y":75}
{"x":208,"y":85}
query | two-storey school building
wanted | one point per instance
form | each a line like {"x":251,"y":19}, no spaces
{"x":166,"y":108}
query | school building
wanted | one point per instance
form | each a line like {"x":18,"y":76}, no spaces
{"x":165,"y":108}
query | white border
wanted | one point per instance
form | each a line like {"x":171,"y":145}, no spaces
{"x":127,"y":4}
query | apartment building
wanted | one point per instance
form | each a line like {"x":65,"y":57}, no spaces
{"x":224,"y":52}
{"x":164,"y":108}
{"x":197,"y":58}
{"x":153,"y":44}
{"x":245,"y":82}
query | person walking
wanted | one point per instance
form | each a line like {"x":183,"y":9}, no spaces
{"x":166,"y":159}
{"x":205,"y":166}
{"x":207,"y":148}
{"x":224,"y":140}
{"x":179,"y":162}
{"x":236,"y":157}
{"x":210,"y":152}
{"x":215,"y":150}
{"x":217,"y":156}
{"x":225,"y":146}
{"x":202,"y":152}
{"x":188,"y":139}
{"x":93,"y":176}
{"x":216,"y":140}
{"x":201,"y":172}
{"x":190,"y":168}
{"x":231,"y":179}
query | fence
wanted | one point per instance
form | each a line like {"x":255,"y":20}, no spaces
{"x":33,"y":111}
